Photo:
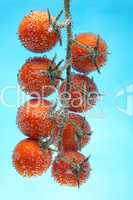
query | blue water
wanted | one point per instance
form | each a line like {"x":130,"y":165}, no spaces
{"x":111,"y":146}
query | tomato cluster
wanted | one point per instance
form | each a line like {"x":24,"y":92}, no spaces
{"x":44,"y":123}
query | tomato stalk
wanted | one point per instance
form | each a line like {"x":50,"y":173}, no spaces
{"x":69,"y":42}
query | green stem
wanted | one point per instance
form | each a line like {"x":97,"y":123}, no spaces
{"x":69,"y":42}
{"x":68,"y":62}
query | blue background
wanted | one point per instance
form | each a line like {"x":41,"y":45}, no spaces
{"x":111,"y":146}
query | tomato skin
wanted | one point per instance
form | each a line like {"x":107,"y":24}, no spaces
{"x":69,"y":136}
{"x":29,"y":159}
{"x":34,"y":32}
{"x":32,"y":80}
{"x":33,"y":119}
{"x":82,"y":59}
{"x":83,"y":94}
{"x":62,"y":170}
